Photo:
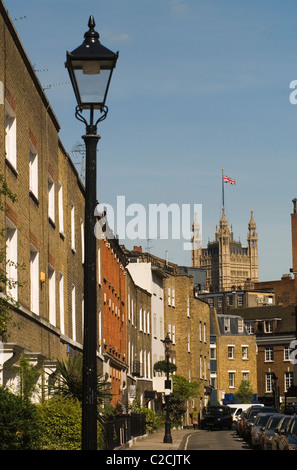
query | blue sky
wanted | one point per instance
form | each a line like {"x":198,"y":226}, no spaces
{"x":200,"y":85}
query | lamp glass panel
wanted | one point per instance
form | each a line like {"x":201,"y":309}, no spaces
{"x":92,"y":87}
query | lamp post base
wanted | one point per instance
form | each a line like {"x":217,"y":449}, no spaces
{"x":167,"y":437}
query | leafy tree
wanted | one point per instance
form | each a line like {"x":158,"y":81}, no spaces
{"x":70,"y":381}
{"x":183,"y":390}
{"x":244,"y":393}
{"x":20,"y":426}
{"x":161,"y":366}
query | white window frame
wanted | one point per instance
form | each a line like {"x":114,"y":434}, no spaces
{"x":61,"y":208}
{"x":230,"y":351}
{"x":269,"y":354}
{"x":244,"y":350}
{"x":72,"y":215}
{"x":231,"y":374}
{"x":10,"y":135}
{"x":173,"y":297}
{"x":227,"y":325}
{"x":11,"y":259}
{"x":268,"y":326}
{"x":61,"y":303}
{"x":34,"y":280}
{"x":52,"y":295}
{"x":268,"y":382}
{"x":51,"y":198}
{"x":33,"y":170}
{"x":82,"y":235}
{"x":173,"y":334}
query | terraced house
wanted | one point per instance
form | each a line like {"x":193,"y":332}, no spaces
{"x":43,"y":226}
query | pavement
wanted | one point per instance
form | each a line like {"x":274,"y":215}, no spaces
{"x":154,"y":441}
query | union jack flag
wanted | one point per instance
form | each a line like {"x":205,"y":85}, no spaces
{"x":228,"y":180}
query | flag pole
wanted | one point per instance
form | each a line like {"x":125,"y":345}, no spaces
{"x":223,"y":195}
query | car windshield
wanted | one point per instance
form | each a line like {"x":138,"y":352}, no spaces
{"x":216,"y":410}
{"x":261,"y":420}
{"x":254,"y":412}
{"x":273,"y":422}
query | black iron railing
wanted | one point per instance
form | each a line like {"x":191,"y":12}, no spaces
{"x":119,"y":430}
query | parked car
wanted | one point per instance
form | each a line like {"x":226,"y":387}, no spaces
{"x":237,"y":409}
{"x":288,"y":438}
{"x":279,"y":430}
{"x":267,"y":432}
{"x":290,"y":409}
{"x":249,"y":418}
{"x":239,"y":424}
{"x":256,"y":428}
{"x":217,"y":416}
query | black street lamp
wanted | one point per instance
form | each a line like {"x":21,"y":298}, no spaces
{"x":167,"y":436}
{"x":90,"y":68}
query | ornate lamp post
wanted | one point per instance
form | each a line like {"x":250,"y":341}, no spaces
{"x":167,"y":436}
{"x":90,"y":68}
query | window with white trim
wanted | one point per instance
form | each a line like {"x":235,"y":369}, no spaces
{"x":169,"y":296}
{"x":244,"y":352}
{"x":10,"y":135}
{"x":288,"y":380}
{"x":52,"y":294}
{"x":51,"y":198}
{"x":82,"y":236}
{"x":61,"y":303}
{"x":33,"y":170}
{"x":61,"y":208}
{"x":173,"y":297}
{"x":269,"y":353}
{"x":11,"y":260}
{"x":231,"y":379}
{"x":227,"y":324}
{"x":268,"y":382}
{"x":34,"y":280}
{"x":230,"y":352}
{"x":72,"y":216}
{"x":268,"y":326}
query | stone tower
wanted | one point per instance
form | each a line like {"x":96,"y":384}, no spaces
{"x":252,"y":239}
{"x":228,"y":264}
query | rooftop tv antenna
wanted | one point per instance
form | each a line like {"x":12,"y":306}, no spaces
{"x":79,"y":151}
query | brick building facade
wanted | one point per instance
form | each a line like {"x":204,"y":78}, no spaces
{"x":114,"y":317}
{"x":233,"y":356}
{"x":187,"y":322}
{"x":43,"y":226}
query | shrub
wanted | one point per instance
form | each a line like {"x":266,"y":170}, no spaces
{"x":61,"y":419}
{"x":20,"y":427}
{"x":153,"y":421}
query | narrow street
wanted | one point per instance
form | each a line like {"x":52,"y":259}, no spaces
{"x":214,"y":440}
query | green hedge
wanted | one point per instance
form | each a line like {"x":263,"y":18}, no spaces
{"x":61,"y":421}
{"x":20,"y":426}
